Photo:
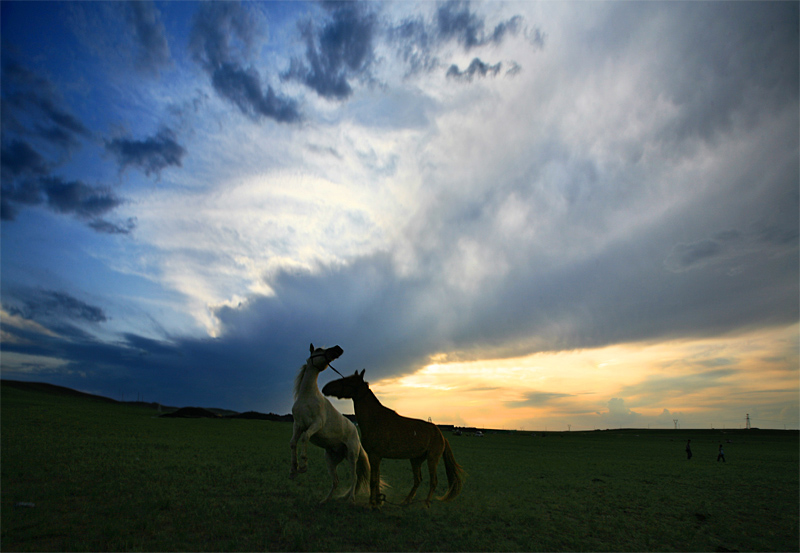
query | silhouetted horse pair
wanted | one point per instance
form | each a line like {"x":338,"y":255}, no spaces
{"x":384,"y":433}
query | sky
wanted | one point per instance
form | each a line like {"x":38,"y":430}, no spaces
{"x":540,"y":216}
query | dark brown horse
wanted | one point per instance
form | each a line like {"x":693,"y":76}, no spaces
{"x":385,"y":434}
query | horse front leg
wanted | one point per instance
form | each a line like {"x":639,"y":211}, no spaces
{"x":375,"y":482}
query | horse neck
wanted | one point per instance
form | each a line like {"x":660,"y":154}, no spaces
{"x":367,"y":406}
{"x":306,"y":382}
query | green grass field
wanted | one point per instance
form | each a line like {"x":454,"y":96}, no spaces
{"x":110,"y":477}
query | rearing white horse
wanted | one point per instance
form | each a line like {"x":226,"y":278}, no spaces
{"x":316,"y":419}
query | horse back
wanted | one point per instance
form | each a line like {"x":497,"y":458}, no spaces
{"x":396,"y":437}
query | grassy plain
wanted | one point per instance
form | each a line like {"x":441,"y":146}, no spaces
{"x":111,"y":477}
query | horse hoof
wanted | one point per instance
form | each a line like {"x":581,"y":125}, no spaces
{"x":292,"y":475}
{"x":302,"y":469}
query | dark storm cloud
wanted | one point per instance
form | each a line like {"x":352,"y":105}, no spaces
{"x":416,"y":43}
{"x":122,"y":35}
{"x":58,"y":311}
{"x":20,"y":159}
{"x":420,"y":41}
{"x":222,"y":38}
{"x":778,"y":234}
{"x":455,"y":21}
{"x":536,"y":37}
{"x":152,"y":52}
{"x":62,"y":304}
{"x":476,"y":67}
{"x":76,"y":197}
{"x":339,"y":51}
{"x":222,"y":32}
{"x":684,"y":256}
{"x":151,"y":155}
{"x":730,"y":243}
{"x":107,"y":227}
{"x":725,"y":64}
{"x":326,"y":151}
{"x":38,"y":134}
{"x":66,"y":197}
{"x":63,"y":128}
{"x":243,"y":88}
{"x":32,"y":108}
{"x":16,"y":195}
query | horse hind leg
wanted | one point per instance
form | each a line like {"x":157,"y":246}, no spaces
{"x":293,"y":445}
{"x":332,"y":458}
{"x":416,"y":468}
{"x":433,"y":462}
{"x":352,"y":461}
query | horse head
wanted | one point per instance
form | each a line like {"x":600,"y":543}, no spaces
{"x":348,"y":387}
{"x":321,"y":357}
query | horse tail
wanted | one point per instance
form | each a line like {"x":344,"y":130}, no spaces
{"x":455,"y":474}
{"x":362,"y":471}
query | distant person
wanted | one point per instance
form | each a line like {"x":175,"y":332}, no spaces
{"x":689,"y":449}
{"x":721,"y":454}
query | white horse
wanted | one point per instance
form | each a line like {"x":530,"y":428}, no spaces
{"x":316,"y":419}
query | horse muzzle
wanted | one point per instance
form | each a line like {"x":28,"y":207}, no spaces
{"x":328,"y":391}
{"x":331,"y":354}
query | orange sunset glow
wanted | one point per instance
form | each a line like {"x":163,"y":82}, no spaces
{"x":702,"y":383}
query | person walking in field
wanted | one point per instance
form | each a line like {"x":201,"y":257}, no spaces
{"x":689,"y":449}
{"x":721,"y":454}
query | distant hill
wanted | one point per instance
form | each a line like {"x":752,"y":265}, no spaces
{"x":53,"y":389}
{"x":192,"y":412}
{"x":253,"y":415}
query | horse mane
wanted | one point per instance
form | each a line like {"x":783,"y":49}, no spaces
{"x":299,"y":379}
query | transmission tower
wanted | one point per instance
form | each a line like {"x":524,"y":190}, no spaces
{"x":676,"y":423}
{"x":747,"y":422}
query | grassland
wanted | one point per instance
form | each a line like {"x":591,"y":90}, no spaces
{"x":110,"y":477}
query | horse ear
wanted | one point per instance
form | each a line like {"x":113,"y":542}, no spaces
{"x":311,"y":348}
{"x":362,"y":373}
